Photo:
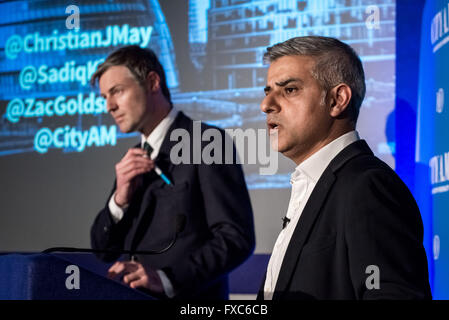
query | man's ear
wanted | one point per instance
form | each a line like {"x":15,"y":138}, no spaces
{"x":153,"y":82}
{"x":340,"y":96}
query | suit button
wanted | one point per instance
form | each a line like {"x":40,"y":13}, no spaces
{"x":105,"y":229}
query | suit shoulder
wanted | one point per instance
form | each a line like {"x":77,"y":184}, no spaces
{"x":368,"y":181}
{"x":188,"y":123}
{"x":371,"y":191}
{"x":364,"y":166}
{"x":368,"y":172}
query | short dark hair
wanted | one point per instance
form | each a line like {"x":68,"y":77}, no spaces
{"x":336,"y":62}
{"x":140,"y":61}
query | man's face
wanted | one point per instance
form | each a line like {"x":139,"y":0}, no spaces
{"x":126,"y":99}
{"x":294,"y":104}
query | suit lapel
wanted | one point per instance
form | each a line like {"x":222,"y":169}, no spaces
{"x":163,"y":157}
{"x":311,"y":212}
{"x":300,"y":235}
{"x":163,"y":161}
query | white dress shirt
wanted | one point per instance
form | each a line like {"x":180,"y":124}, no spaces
{"x":303,"y":181}
{"x":155,"y":140}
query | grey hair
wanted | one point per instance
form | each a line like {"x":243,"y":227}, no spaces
{"x":336,"y":62}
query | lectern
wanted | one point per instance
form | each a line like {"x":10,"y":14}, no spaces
{"x":48,"y":277}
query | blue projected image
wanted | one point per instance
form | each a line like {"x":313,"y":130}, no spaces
{"x":47,"y":102}
{"x":228,"y":55}
{"x":46,"y":67}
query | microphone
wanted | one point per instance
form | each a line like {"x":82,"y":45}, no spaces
{"x":180,"y":222}
{"x":285,"y":222}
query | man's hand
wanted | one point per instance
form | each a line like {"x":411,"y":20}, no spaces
{"x":134,"y":163}
{"x":136,"y":275}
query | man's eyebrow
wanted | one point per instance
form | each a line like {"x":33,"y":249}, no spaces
{"x":111,"y":89}
{"x":285,"y":82}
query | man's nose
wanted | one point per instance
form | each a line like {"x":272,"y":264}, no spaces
{"x":111,"y":105}
{"x":269,"y":104}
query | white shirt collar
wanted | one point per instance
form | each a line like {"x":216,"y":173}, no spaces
{"x":157,"y":136}
{"x":315,"y":165}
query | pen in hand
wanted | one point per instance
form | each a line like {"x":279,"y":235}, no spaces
{"x":149,"y":150}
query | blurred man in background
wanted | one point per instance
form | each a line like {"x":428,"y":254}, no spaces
{"x":150,"y":193}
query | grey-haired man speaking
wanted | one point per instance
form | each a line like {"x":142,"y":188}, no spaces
{"x":352,"y":229}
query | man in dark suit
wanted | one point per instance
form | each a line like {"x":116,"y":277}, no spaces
{"x":150,"y":192}
{"x":352,"y":229}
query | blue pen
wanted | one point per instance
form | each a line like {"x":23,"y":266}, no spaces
{"x":162,"y":175}
{"x":149,"y":150}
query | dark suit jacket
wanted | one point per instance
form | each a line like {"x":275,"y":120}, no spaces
{"x":219,"y":231}
{"x":359,"y":214}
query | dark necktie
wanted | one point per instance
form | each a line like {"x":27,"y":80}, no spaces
{"x":148,"y":149}
{"x":149,"y":176}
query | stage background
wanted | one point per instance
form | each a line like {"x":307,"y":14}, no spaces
{"x":212,"y":53}
{"x":432,"y":139}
